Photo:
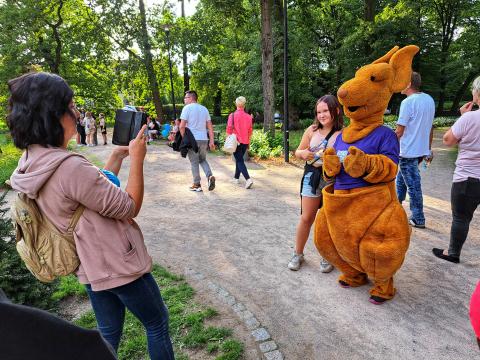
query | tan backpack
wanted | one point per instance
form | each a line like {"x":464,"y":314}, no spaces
{"x":46,"y":251}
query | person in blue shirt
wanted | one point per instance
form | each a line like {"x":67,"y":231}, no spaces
{"x":415,"y":132}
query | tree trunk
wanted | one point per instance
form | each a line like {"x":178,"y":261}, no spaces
{"x":448,"y":13}
{"x":369,"y":14}
{"x":54,"y":63}
{"x":148,"y":61}
{"x":461,"y":91}
{"x":443,"y":82}
{"x":267,"y":66}
{"x":186,"y":77}
{"x":217,"y":106}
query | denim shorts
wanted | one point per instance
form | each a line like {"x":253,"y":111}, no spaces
{"x":307,"y":190}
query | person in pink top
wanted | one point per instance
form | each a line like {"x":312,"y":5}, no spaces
{"x":465,"y":195}
{"x":114,"y":262}
{"x":240,"y":124}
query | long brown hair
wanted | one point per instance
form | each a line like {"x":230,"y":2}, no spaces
{"x":335,"y":110}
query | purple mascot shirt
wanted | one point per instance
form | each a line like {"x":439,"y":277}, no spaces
{"x":382,"y":140}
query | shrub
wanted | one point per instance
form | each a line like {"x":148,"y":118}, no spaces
{"x":444,"y":121}
{"x":9,"y":156}
{"x":17,"y":282}
{"x":264,"y":145}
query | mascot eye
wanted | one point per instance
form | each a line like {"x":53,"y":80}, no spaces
{"x":372,"y":78}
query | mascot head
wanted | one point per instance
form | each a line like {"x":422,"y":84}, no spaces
{"x":366,"y":96}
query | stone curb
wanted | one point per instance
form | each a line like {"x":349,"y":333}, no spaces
{"x":267,"y":345}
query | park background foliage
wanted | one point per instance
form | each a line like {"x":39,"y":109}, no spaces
{"x":115,"y":51}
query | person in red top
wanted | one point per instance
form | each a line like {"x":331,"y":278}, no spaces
{"x":240,"y":124}
{"x":475,"y":312}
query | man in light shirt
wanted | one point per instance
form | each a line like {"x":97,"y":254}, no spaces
{"x":415,"y":132}
{"x":196,"y":118}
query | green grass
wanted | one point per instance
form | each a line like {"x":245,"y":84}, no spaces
{"x":69,"y":286}
{"x":187,"y":324}
{"x":8,"y":158}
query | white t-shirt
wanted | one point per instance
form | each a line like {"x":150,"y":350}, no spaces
{"x":467,"y":130}
{"x":416,"y":114}
{"x":196,"y":116}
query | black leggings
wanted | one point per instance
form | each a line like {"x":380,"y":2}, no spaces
{"x":465,"y":198}
{"x":240,"y":166}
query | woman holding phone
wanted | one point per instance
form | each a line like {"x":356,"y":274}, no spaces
{"x":114,"y":263}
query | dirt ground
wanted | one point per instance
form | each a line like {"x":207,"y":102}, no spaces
{"x":243,"y":239}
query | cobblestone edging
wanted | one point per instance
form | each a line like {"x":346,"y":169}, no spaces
{"x":262,"y":337}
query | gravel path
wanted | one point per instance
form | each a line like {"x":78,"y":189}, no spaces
{"x":242,"y":240}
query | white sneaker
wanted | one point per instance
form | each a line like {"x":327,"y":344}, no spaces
{"x":325,"y":266}
{"x":248,"y":184}
{"x":296,"y":262}
{"x":235,"y":181}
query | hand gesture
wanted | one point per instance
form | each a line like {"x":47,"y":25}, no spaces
{"x":308,"y":155}
{"x":331,"y":162}
{"x":356,"y":162}
{"x":138,"y":146}
{"x":120,"y":152}
{"x":466,"y":108}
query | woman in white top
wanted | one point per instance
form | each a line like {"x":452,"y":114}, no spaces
{"x":103,"y":127}
{"x":465,"y":194}
{"x":89,"y":128}
{"x":316,"y":138}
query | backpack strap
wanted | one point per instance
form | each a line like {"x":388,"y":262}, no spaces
{"x":74,"y":220}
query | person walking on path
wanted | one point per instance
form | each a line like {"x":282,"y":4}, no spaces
{"x":316,"y":138}
{"x":240,"y":124}
{"x":197,"y":119}
{"x":103,"y":127}
{"x":415,"y":132}
{"x":465,"y":193}
{"x":114,"y":263}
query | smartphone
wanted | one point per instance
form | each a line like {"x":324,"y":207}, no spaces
{"x":127,"y":125}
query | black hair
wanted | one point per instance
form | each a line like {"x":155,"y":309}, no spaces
{"x":193,"y":94}
{"x":335,"y":110}
{"x":36,"y":104}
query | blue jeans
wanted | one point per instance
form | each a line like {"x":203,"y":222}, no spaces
{"x":408,"y":180}
{"x":240,"y":166}
{"x":142,"y":297}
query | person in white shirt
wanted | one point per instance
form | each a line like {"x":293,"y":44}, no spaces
{"x":415,"y":132}
{"x":196,"y":118}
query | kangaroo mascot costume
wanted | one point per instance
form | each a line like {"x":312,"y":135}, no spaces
{"x":362,"y":229}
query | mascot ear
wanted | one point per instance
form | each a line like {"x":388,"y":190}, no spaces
{"x":401,"y":63}
{"x":386,"y":58}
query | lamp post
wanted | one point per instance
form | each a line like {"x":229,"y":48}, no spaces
{"x":286,"y":144}
{"x":167,"y":32}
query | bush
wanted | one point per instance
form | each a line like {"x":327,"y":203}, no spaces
{"x":264,"y":145}
{"x":444,"y":121}
{"x":17,"y":282}
{"x":9,"y":156}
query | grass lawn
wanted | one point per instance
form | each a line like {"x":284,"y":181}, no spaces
{"x":187,"y":327}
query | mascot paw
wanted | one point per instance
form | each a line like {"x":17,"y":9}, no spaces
{"x":356,"y":162}
{"x":331,"y":162}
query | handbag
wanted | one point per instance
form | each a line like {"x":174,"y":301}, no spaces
{"x":230,"y":145}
